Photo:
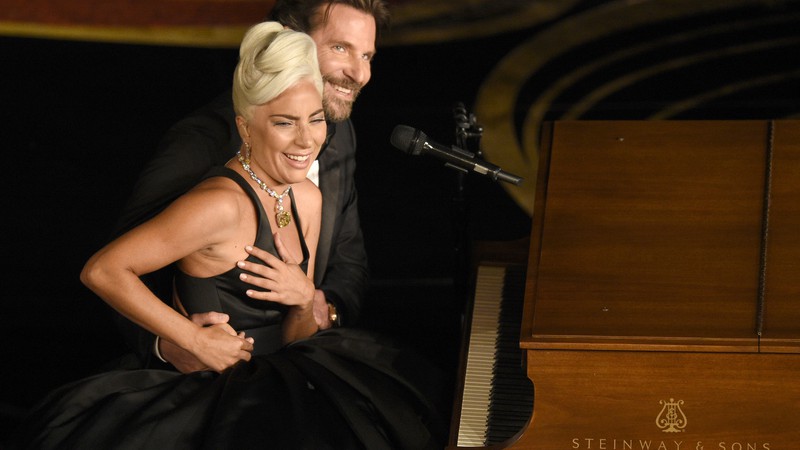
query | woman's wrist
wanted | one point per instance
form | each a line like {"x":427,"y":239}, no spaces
{"x":302,"y":313}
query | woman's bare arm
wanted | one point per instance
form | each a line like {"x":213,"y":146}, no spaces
{"x":192,"y":225}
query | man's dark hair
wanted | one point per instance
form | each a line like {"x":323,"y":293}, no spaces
{"x":301,"y":15}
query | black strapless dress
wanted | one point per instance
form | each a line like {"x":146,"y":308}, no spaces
{"x":339,"y":389}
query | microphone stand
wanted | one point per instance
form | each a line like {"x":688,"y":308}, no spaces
{"x":466,"y":130}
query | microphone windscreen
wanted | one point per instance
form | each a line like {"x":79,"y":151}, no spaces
{"x":407,"y":139}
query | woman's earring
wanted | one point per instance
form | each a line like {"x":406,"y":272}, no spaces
{"x":247,"y":152}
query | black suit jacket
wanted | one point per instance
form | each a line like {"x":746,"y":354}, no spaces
{"x":207,"y":138}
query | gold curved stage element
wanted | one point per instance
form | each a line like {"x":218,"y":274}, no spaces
{"x":208,"y":23}
{"x":222,"y":23}
{"x":512,"y":112}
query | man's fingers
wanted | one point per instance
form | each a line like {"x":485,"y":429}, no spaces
{"x":247,"y":345}
{"x":225,"y":327}
{"x":209,"y":318}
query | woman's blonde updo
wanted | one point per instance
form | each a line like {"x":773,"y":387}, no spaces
{"x":271,"y":60}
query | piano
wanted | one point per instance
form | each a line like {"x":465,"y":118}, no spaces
{"x":658,"y":304}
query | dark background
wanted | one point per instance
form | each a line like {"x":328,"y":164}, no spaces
{"x":79,"y":120}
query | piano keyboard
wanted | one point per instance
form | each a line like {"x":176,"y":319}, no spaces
{"x":497,"y":397}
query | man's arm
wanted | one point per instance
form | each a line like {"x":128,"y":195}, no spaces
{"x":345,"y":277}
{"x":204,"y":139}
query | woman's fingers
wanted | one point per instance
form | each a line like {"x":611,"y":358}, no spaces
{"x":281,"y":281}
{"x":221,"y":348}
{"x":263,"y":255}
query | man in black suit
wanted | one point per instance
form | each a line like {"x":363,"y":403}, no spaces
{"x":345,"y":32}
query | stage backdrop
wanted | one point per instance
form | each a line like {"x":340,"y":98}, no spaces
{"x":556,"y":59}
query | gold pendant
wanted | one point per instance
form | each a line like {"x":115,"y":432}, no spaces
{"x":283,"y":218}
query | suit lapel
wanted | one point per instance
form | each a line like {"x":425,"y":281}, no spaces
{"x":330,"y":174}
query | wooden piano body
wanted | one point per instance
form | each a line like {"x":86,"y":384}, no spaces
{"x":662,"y":295}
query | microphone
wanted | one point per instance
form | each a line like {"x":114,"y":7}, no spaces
{"x":415,"y":142}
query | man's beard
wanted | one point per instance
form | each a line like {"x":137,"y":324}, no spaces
{"x":337,"y":109}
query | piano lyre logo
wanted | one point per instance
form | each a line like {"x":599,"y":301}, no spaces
{"x":671,"y":419}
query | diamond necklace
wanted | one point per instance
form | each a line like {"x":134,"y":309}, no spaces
{"x":282,"y":217}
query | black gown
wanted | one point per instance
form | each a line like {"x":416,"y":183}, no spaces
{"x":339,"y":389}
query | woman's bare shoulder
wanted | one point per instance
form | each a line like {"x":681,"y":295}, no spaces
{"x":307,"y":191}
{"x":218,"y":199}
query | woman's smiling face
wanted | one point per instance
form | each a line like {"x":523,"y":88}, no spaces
{"x":286,"y":134}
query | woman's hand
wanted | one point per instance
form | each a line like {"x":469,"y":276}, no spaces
{"x":184,"y":360}
{"x":219,"y":346}
{"x":287,"y":284}
{"x":282,"y":279}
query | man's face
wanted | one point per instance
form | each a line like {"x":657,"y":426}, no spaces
{"x":345,"y":47}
